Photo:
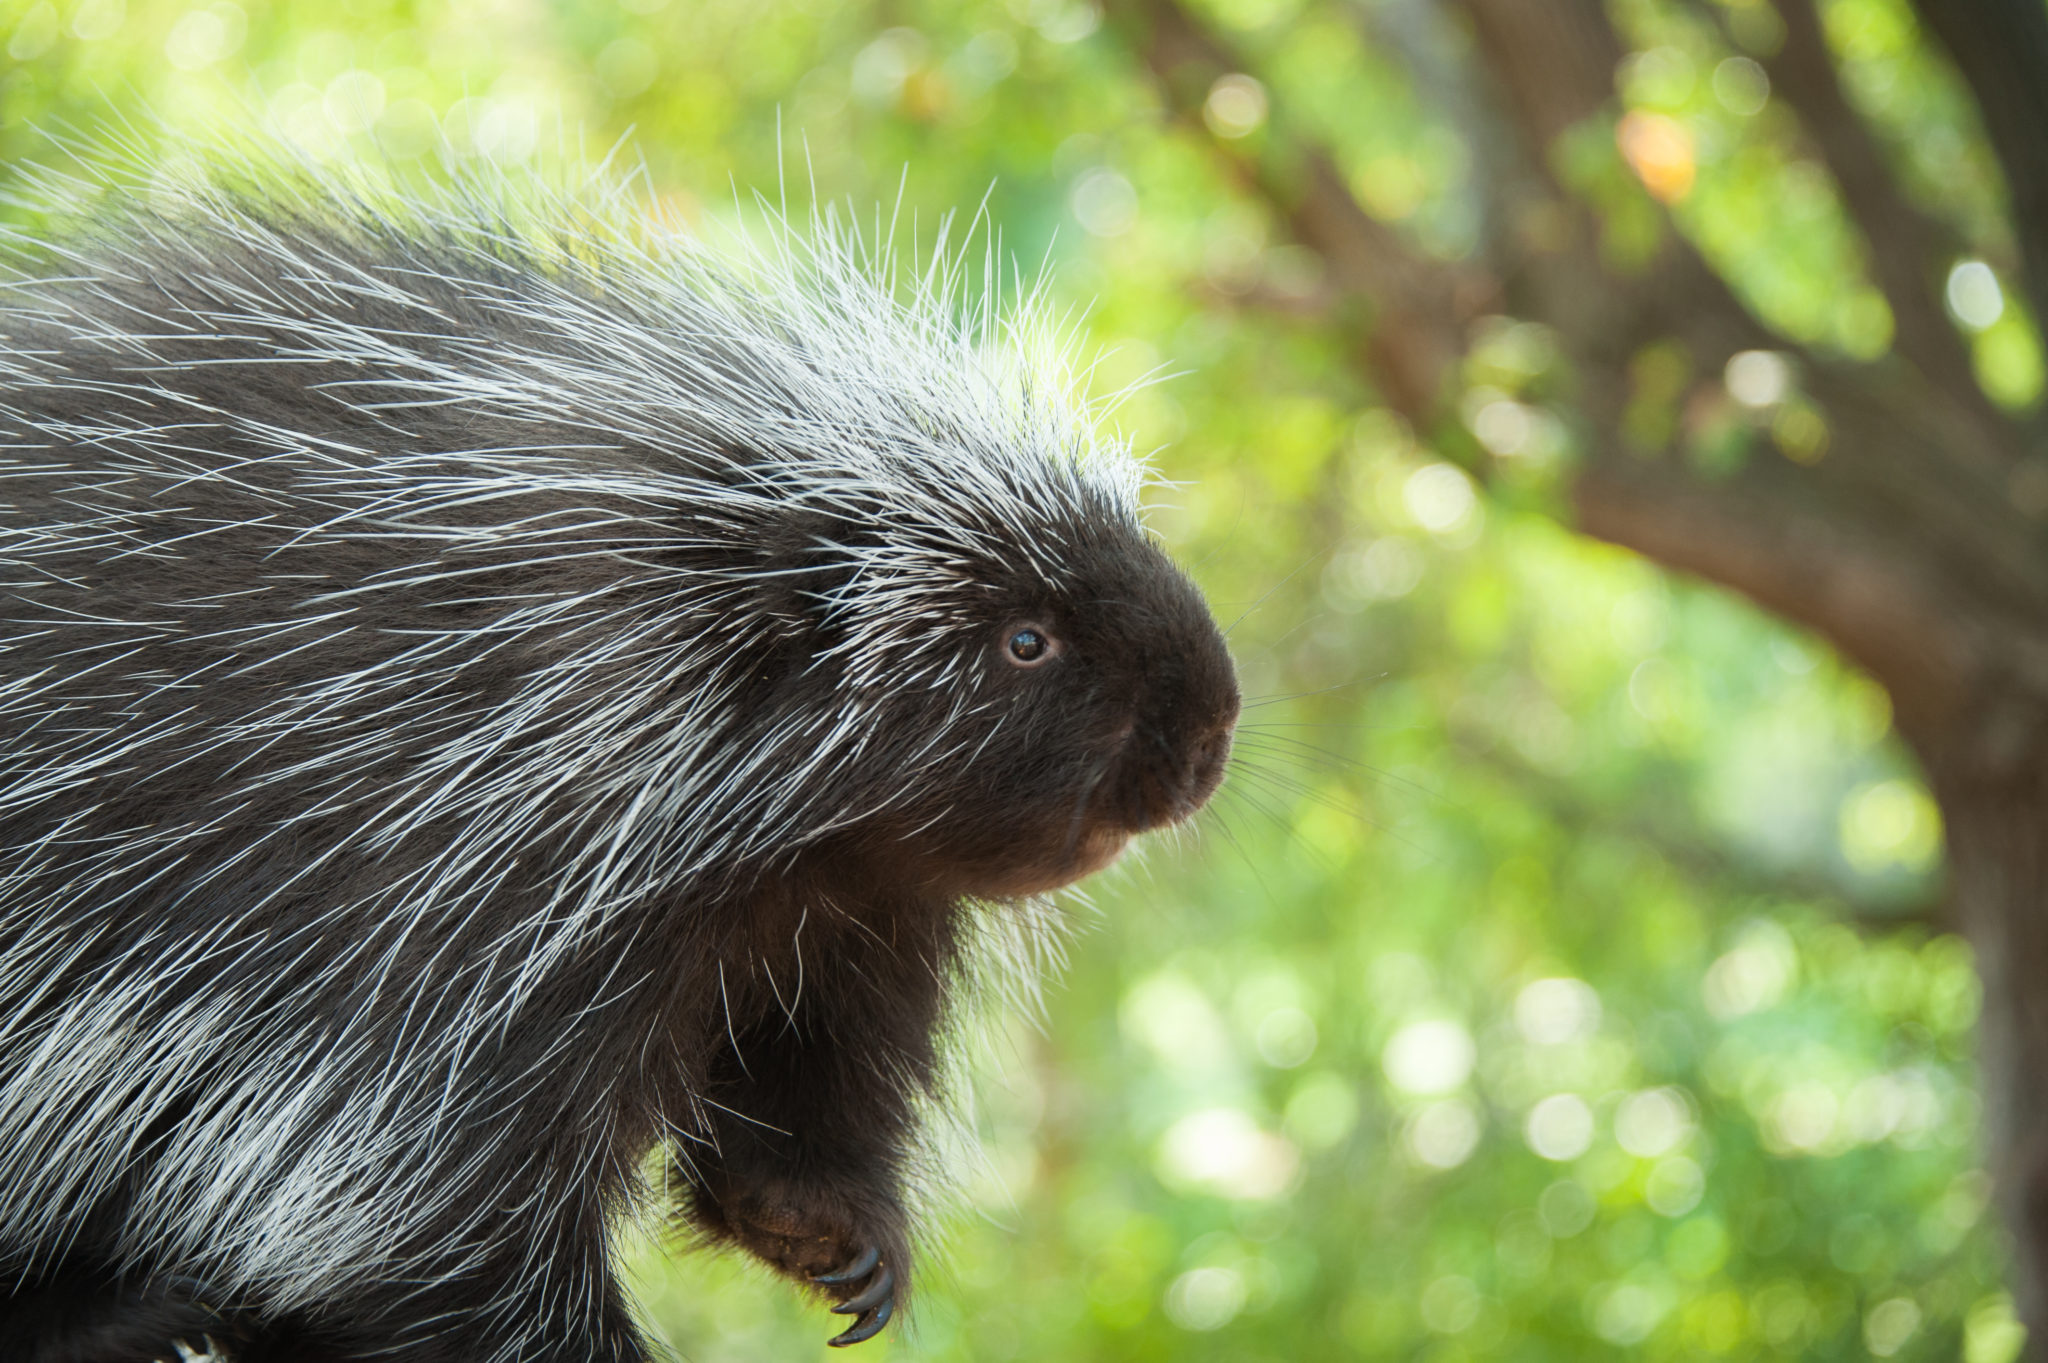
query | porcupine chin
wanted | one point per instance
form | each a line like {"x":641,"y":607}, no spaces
{"x":489,"y":690}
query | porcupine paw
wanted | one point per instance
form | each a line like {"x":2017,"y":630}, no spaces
{"x":823,"y":1249}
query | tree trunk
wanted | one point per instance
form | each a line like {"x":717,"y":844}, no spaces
{"x":1993,"y":791}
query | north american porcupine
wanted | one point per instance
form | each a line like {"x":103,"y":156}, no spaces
{"x":488,"y":692}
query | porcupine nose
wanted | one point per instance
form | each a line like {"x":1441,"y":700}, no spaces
{"x":1168,"y":791}
{"x":1204,"y":701}
{"x":1208,"y":757}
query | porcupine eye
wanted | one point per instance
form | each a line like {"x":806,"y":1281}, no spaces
{"x":1028,"y":646}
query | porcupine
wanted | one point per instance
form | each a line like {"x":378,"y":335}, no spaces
{"x":491,"y":689}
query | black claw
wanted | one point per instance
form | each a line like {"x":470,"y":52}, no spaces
{"x":872,"y":1296}
{"x":862,"y":1265}
{"x":865,"y":1328}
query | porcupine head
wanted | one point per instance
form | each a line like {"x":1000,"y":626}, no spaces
{"x":552,"y":691}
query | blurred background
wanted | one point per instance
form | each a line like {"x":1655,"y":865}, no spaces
{"x":1564,"y":972}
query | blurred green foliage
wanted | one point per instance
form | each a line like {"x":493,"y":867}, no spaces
{"x":1560,"y":976}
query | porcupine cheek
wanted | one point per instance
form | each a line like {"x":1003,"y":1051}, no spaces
{"x":1095,"y":849}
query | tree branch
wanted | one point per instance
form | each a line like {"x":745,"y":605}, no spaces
{"x":2001,"y":48}
{"x":1555,"y":62}
{"x":1908,"y":248}
{"x":1765,"y":534}
{"x":1420,"y":303}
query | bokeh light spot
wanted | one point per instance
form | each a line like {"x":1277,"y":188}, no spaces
{"x":1429,"y":1057}
{"x":1560,"y":1127}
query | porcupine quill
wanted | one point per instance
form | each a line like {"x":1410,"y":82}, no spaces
{"x":492,"y":687}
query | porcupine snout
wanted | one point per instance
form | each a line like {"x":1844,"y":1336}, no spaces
{"x":1178,"y":777}
{"x":1207,"y":758}
{"x":1175,"y":758}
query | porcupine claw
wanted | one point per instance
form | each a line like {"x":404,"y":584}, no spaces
{"x":873,"y":1305}
{"x":865,"y":1328}
{"x":862,"y":1265}
{"x":876,"y":1292}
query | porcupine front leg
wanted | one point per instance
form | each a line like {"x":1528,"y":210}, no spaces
{"x":813,"y":1124}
